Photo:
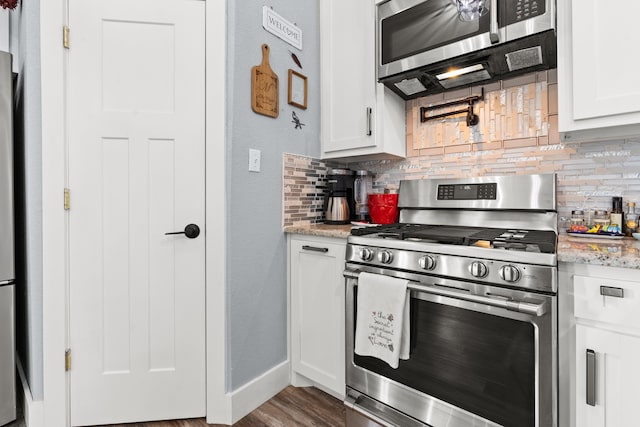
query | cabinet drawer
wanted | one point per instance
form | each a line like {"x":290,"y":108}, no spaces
{"x":606,"y":300}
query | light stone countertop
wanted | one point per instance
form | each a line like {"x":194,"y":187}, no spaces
{"x":323,"y":230}
{"x":623,"y":253}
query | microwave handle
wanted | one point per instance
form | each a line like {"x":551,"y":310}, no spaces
{"x":493,"y":29}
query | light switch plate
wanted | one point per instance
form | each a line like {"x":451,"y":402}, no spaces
{"x":254,"y":160}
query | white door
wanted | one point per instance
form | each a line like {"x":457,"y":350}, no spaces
{"x":136,"y":171}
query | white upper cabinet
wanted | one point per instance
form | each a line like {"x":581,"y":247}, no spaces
{"x":360,"y":117}
{"x":598,"y":69}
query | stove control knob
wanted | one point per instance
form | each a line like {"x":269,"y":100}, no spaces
{"x":510,"y":273}
{"x":427,"y":262}
{"x":385,"y":257}
{"x":478,"y":269}
{"x":366,"y":254}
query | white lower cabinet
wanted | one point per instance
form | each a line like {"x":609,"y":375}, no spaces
{"x":599,"y":346}
{"x":317,"y":312}
{"x":614,"y":378}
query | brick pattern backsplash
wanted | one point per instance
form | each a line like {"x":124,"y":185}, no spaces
{"x":589,"y":173}
{"x":514,"y":111}
{"x":304,"y":184}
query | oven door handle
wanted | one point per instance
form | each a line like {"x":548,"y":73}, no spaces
{"x":500,"y":302}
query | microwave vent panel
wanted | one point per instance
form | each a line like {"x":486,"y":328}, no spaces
{"x":410,"y":86}
{"x":466,"y":79}
{"x":524,"y":58}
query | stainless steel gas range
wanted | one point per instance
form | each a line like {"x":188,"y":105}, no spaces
{"x":479,"y":255}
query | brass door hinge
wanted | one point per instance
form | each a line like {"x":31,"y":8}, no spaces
{"x":65,"y":37}
{"x":67,"y":199}
{"x":67,"y":360}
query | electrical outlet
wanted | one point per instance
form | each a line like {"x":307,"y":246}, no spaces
{"x":254,"y":160}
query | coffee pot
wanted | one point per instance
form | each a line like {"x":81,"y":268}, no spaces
{"x":339,"y":202}
{"x":337,"y":209}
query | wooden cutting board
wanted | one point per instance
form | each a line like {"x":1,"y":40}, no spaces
{"x":264,"y":87}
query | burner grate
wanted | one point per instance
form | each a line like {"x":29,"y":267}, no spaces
{"x":544,"y":241}
{"x":509,"y":239}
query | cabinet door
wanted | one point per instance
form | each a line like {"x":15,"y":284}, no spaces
{"x":604,"y":66}
{"x":597,"y":66}
{"x":616,"y":377}
{"x":348,"y":74}
{"x":317,"y":311}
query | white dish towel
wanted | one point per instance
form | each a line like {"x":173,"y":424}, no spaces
{"x":382,"y":323}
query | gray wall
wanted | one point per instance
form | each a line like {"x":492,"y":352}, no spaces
{"x":25,"y":45}
{"x":256,"y":263}
{"x":4,"y":30}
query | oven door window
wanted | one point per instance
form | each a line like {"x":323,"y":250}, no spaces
{"x":481,"y":363}
{"x":426,"y":26}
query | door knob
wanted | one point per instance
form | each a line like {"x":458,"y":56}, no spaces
{"x":191,"y":231}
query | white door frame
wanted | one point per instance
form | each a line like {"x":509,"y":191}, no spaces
{"x":53,"y":410}
{"x":218,"y":400}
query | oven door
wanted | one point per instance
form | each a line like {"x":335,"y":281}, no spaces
{"x":480,"y":356}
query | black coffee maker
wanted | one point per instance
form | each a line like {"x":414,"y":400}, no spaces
{"x":339,"y":204}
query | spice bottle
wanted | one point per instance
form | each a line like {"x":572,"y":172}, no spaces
{"x":616,"y":213}
{"x":631,"y":219}
{"x":601,"y":218}
{"x":577,"y":221}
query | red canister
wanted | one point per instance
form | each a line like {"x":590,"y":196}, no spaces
{"x":383,"y":208}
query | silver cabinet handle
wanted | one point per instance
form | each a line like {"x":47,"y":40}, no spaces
{"x":315,"y":249}
{"x":493,"y":29}
{"x":610,"y":291}
{"x":369,"y":112}
{"x":591,"y":378}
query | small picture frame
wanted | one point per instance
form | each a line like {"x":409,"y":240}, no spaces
{"x":297,"y":89}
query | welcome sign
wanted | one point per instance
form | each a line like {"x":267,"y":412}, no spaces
{"x":281,"y":28}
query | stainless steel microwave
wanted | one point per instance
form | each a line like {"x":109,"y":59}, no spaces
{"x":424,"y":47}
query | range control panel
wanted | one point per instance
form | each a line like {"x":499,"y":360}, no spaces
{"x":467,"y":191}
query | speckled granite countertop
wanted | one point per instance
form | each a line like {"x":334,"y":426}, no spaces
{"x":324,"y":230}
{"x":623,"y":253}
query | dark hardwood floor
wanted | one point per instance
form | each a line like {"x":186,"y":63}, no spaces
{"x":293,"y":406}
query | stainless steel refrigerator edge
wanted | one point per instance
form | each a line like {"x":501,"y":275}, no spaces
{"x":7,"y":269}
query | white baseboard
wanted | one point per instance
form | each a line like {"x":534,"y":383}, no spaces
{"x":255,"y":393}
{"x":243,"y":401}
{"x":33,"y":410}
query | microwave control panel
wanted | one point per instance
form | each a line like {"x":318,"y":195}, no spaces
{"x":521,"y":10}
